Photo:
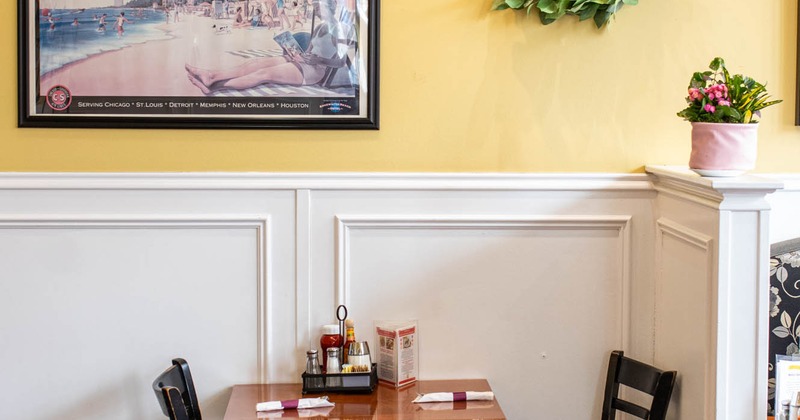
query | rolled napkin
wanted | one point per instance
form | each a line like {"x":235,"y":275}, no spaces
{"x":295,"y":414}
{"x":300,"y":404}
{"x":454,"y":396}
{"x":456,"y":405}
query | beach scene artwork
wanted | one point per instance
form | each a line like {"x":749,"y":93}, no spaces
{"x":172,"y":56}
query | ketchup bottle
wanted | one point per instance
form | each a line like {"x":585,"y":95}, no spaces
{"x":330,"y":338}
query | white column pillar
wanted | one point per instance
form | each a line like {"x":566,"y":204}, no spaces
{"x":712,"y":303}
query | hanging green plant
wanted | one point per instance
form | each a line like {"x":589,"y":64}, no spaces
{"x":551,"y":10}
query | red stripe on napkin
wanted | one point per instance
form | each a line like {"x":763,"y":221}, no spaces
{"x":459,"y":396}
{"x":290,"y":403}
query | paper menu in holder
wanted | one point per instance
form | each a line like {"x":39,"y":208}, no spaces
{"x":787,"y":378}
{"x":396,"y":352}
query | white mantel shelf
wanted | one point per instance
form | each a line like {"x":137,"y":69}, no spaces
{"x":740,"y":192}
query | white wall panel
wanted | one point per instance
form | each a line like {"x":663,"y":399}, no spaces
{"x":532,"y":304}
{"x":684,"y":310}
{"x":91,"y":311}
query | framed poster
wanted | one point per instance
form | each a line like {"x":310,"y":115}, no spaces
{"x":289,"y":64}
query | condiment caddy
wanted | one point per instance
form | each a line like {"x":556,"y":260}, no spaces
{"x":341,"y":382}
{"x":346,"y":365}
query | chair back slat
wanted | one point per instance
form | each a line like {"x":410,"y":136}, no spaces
{"x":176,"y":410}
{"x":640,"y":376}
{"x":630,"y":408}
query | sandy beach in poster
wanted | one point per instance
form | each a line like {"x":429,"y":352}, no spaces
{"x":157,"y":68}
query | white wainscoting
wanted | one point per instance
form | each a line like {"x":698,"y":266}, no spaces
{"x":526,"y":280}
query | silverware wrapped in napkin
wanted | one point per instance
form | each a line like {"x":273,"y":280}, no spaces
{"x":300,"y":404}
{"x":313,"y":413}
{"x":454,"y":396}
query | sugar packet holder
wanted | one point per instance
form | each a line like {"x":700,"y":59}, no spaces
{"x":454,"y":396}
{"x":300,"y":404}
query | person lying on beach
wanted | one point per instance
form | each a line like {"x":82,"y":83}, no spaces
{"x":327,"y":49}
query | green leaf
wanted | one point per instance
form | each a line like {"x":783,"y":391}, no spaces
{"x":614,"y":8}
{"x":589,"y":11}
{"x":577,"y":5}
{"x":545,"y":18}
{"x":547,"y":6}
{"x":601,"y":17}
{"x":631,"y":2}
{"x":716,"y":63}
{"x":515,"y":4}
{"x":499,"y":5}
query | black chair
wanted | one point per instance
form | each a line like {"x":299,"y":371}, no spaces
{"x":174,"y":390}
{"x":637,"y":375}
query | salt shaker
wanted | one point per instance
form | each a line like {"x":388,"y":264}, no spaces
{"x":334,"y":367}
{"x":312,"y":367}
{"x":794,"y":408}
{"x":783,"y":414}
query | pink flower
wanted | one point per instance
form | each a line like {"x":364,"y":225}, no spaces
{"x":718,"y":91}
{"x":709,"y":108}
{"x":695,"y":94}
{"x":723,"y":102}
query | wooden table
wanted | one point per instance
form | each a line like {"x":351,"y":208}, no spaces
{"x":385,"y":402}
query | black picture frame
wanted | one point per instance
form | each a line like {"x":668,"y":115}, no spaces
{"x":349,"y":103}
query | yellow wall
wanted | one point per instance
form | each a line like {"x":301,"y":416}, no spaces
{"x":466,"y":89}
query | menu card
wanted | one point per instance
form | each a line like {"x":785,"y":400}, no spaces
{"x":787,"y":378}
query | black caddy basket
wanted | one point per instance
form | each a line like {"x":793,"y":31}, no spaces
{"x":355,"y":383}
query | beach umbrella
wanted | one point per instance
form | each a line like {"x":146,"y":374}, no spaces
{"x":45,"y":12}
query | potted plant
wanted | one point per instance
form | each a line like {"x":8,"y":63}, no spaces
{"x":724,"y":112}
{"x":551,"y":10}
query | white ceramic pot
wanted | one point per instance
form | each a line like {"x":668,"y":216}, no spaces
{"x":720,"y":149}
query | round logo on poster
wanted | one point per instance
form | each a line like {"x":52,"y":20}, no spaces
{"x":59,"y":98}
